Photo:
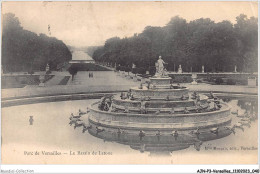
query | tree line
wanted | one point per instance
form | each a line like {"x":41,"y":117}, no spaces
{"x":25,"y":51}
{"x":218,"y":46}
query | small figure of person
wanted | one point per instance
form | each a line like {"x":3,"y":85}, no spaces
{"x":31,"y":120}
{"x":158,"y":134}
{"x":175,"y":134}
{"x":141,"y":134}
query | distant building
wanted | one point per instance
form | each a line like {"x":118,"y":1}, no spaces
{"x":81,"y":57}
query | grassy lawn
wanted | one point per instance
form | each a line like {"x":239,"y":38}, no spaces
{"x":20,"y":81}
{"x":64,"y":81}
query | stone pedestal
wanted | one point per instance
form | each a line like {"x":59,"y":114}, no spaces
{"x":194,"y":78}
{"x":41,"y":78}
{"x":160,"y":81}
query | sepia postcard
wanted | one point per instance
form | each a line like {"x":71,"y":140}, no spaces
{"x":130,"y":83}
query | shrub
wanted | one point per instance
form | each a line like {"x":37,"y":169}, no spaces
{"x":199,"y":81}
{"x":134,"y":70}
{"x":23,"y":82}
{"x":152,"y":70}
{"x":219,"y":81}
{"x":231,"y":82}
{"x":140,"y":70}
{"x":127,"y":69}
{"x":211,"y":79}
{"x":31,"y":72}
{"x":73,"y":70}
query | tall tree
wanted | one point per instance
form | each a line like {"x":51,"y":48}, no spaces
{"x":24,"y":50}
{"x":218,"y":46}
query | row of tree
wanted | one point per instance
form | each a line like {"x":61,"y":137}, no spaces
{"x":26,"y":51}
{"x":218,"y":46}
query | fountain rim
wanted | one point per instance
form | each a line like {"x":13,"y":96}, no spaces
{"x":227,"y":108}
{"x":116,"y":98}
{"x":184,"y":88}
{"x":93,"y":95}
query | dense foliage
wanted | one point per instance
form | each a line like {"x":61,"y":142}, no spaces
{"x":26,"y":51}
{"x":218,"y":46}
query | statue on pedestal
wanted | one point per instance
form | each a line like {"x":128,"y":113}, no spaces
{"x":47,"y":67}
{"x":160,"y":69}
{"x":179,"y":69}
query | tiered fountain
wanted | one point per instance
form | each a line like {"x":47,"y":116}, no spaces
{"x":159,"y":106}
{"x":157,"y":111}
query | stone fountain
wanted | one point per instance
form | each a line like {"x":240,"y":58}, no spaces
{"x":158,"y":109}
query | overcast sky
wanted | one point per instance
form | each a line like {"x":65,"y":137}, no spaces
{"x":91,"y":23}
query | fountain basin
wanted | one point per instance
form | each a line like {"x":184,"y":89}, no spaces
{"x":164,"y":122}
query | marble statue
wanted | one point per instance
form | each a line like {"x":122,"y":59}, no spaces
{"x":160,"y":69}
{"x":179,"y":69}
